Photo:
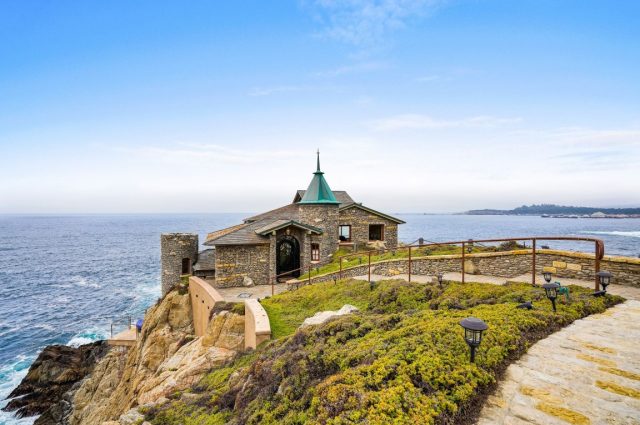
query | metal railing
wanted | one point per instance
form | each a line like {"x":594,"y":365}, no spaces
{"x":122,"y":321}
{"x":598,"y":245}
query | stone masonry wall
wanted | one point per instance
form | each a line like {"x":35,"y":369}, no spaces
{"x":625,"y":270}
{"x":324,"y":216}
{"x":359,"y":220}
{"x":173,"y":248}
{"x":234,"y":262}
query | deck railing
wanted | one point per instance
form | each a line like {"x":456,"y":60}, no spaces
{"x":598,"y":250}
{"x":598,"y":247}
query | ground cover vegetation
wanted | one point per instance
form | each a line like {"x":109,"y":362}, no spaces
{"x":401,"y":359}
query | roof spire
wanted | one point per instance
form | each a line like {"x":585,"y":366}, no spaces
{"x":318,"y":191}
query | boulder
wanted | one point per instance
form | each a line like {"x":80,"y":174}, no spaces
{"x":324,"y":316}
{"x":470,"y":268}
{"x":247,"y":281}
{"x":132,"y":417}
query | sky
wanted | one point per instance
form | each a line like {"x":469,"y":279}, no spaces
{"x":416,"y":106}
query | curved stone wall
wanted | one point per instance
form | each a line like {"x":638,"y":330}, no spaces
{"x":256,"y":324}
{"x":203,"y":298}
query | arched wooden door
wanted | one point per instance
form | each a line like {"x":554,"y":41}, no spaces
{"x":288,"y":256}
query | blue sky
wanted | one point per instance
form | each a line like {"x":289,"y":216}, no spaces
{"x":155,"y":106}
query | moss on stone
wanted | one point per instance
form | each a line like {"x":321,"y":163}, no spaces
{"x":567,"y":415}
{"x":618,"y":389}
{"x":620,"y":372}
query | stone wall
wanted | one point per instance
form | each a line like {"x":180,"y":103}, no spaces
{"x":256,"y":324}
{"x":203,"y":298}
{"x":235,"y":262}
{"x":563,"y":264}
{"x":174,"y":247}
{"x":324,"y":216}
{"x":359,"y":220}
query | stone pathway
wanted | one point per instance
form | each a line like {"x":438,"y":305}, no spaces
{"x":587,"y":373}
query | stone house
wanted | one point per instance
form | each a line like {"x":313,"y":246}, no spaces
{"x":285,"y":241}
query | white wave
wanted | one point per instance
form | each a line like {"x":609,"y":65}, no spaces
{"x":87,"y":337}
{"x":631,"y":234}
{"x":10,"y":376}
{"x":83,"y":282}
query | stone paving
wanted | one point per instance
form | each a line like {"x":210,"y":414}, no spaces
{"x":587,"y":373}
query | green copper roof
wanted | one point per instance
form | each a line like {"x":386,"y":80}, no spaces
{"x":319,"y":191}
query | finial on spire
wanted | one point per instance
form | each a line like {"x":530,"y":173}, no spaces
{"x":318,"y":153}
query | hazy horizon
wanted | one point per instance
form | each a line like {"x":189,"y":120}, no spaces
{"x":425,"y":106}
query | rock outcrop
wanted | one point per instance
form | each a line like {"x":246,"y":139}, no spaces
{"x":324,"y":316}
{"x":166,"y":359}
{"x":54,"y":373}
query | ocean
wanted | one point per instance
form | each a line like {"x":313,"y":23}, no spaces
{"x":65,"y":278}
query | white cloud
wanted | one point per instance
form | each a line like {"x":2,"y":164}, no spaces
{"x":418,"y":121}
{"x":367,"y":21}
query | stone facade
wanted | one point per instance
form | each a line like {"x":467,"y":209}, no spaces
{"x":174,"y":248}
{"x":359,"y":220}
{"x":234,"y":262}
{"x":325,"y":217}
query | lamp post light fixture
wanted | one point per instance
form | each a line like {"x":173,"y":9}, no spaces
{"x":469,"y":246}
{"x":440,"y":276}
{"x":605,"y":279}
{"x":473,"y":329}
{"x":547,"y":276}
{"x":551,"y":289}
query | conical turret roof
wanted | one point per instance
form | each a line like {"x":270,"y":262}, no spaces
{"x":319,"y":191}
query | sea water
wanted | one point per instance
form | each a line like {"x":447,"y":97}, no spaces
{"x":64,"y":279}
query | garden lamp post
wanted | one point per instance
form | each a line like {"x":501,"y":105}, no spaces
{"x":551,"y":289}
{"x":473,"y":329}
{"x":547,"y":276}
{"x":440,"y":276}
{"x":605,"y":279}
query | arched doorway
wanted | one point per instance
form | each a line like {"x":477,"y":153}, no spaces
{"x":288,"y":256}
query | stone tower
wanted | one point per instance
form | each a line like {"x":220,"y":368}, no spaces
{"x":319,"y":207}
{"x":178,"y":253}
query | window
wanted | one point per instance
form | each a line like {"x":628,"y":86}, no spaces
{"x":315,"y":252}
{"x":186,"y":266}
{"x":376,"y":232}
{"x":344,"y":233}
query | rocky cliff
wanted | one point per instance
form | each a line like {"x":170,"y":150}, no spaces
{"x":166,"y":360}
{"x":56,"y":371}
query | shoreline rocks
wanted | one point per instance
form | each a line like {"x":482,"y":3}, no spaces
{"x":57,"y":371}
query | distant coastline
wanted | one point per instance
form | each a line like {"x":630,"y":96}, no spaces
{"x":561,"y":211}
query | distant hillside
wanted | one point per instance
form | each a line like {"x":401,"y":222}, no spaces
{"x":553,"y":210}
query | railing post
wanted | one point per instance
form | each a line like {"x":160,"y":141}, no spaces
{"x":409,"y":263}
{"x":533,"y":266}
{"x":462,"y":262}
{"x":597,"y":267}
{"x":369,"y":266}
{"x":273,"y":284}
{"x":309,"y":280}
{"x":340,"y":268}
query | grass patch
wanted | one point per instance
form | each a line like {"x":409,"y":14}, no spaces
{"x":402,"y":359}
